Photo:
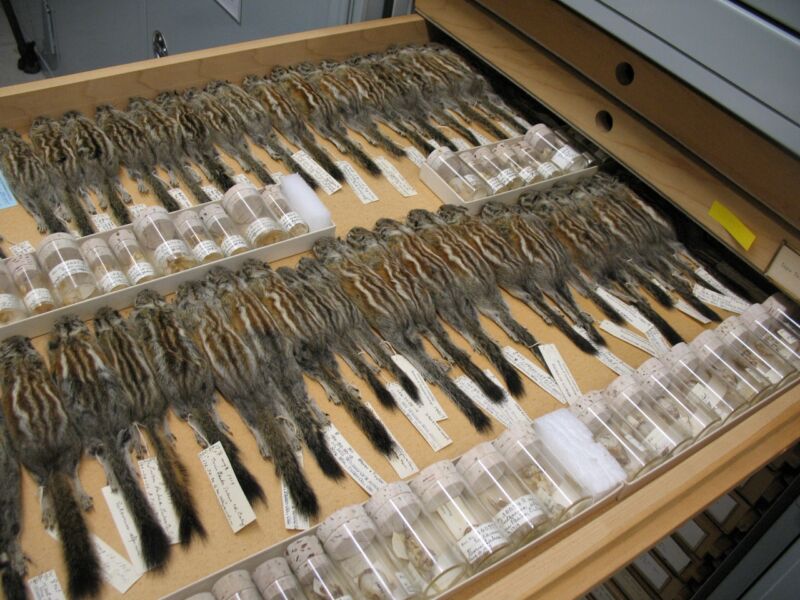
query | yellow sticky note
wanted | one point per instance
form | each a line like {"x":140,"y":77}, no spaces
{"x":740,"y":232}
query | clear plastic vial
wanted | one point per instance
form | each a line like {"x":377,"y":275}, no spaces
{"x":676,"y":398}
{"x":11,"y":306}
{"x":32,"y":283}
{"x":457,"y":175}
{"x":317,"y":574}
{"x":769,"y":331}
{"x":785,"y":311}
{"x":64,"y":264}
{"x":104,"y":265}
{"x":158,"y":235}
{"x":724,"y":362}
{"x":194,"y":233}
{"x":544,"y":168}
{"x":706,"y":386}
{"x":222,"y":230}
{"x":275,"y":580}
{"x":289,"y":219}
{"x":615,"y":434}
{"x":414,"y":540}
{"x":351,"y":539}
{"x":488,"y":174}
{"x":658,"y":428}
{"x":506,"y":172}
{"x":526,"y":172}
{"x":202,"y":596}
{"x":529,"y":458}
{"x":455,"y":509}
{"x":131,"y":257}
{"x":759,"y":356}
{"x":236,"y":585}
{"x":546,"y":145}
{"x":247,"y":208}
{"x":516,"y":509}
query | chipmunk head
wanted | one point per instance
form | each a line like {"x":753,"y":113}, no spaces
{"x":195,"y":295}
{"x":452,"y":214}
{"x":328,"y":249}
{"x":15,"y":349}
{"x":255,"y":270}
{"x":69,"y":327}
{"x":419,"y":219}
{"x":388,"y":228}
{"x":310,"y":267}
{"x":43,"y":122}
{"x":106,"y":318}
{"x":288,"y":275}
{"x":362,"y":239}
{"x":494,"y":210}
{"x":149,"y":299}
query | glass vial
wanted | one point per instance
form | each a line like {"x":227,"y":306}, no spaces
{"x":64,"y":264}
{"x":317,"y":574}
{"x":158,"y":235}
{"x":289,"y":219}
{"x":489,"y":175}
{"x":32,"y":283}
{"x":529,"y":458}
{"x":236,"y":585}
{"x":613,"y":432}
{"x":759,"y":356}
{"x":351,"y":539}
{"x":194,"y":233}
{"x":724,"y":362}
{"x":202,"y":596}
{"x":517,"y":510}
{"x":769,"y":331}
{"x":415,"y":542}
{"x":131,"y":257}
{"x":546,"y":145}
{"x":704,"y":385}
{"x":658,"y":428}
{"x":457,"y":175}
{"x":222,"y":230}
{"x":246,"y":207}
{"x":506,"y":172}
{"x":455,"y":509}
{"x":11,"y":306}
{"x":785,"y":311}
{"x":676,"y":398}
{"x":506,"y":155}
{"x":275,"y":580}
{"x":545,"y":169}
{"x":104,"y":265}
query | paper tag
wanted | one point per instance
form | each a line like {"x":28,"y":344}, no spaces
{"x":351,"y":461}
{"x":460,"y":143}
{"x":204,"y":249}
{"x":722,"y":508}
{"x":533,"y":372}
{"x":6,"y":197}
{"x":564,"y":380}
{"x":427,"y":398}
{"x":139,"y":271}
{"x":691,"y":533}
{"x":427,"y":427}
{"x":626,"y":335}
{"x":103,"y":222}
{"x":628,"y":312}
{"x":115,"y":569}
{"x":673,"y":555}
{"x":658,"y":341}
{"x":514,"y":412}
{"x":242,"y":178}
{"x":46,"y":587}
{"x":401,"y":461}
{"x":510,"y":132}
{"x":354,"y":180}
{"x":481,"y":540}
{"x":213,"y":193}
{"x":123,"y":520}
{"x":137,"y":209}
{"x":784,"y":269}
{"x":525,"y":510}
{"x":496,"y":409}
{"x":690,"y":310}
{"x":10,"y":302}
{"x":320,"y":175}
{"x":409,"y":585}
{"x":292,"y":519}
{"x":434,"y":143}
{"x":522,"y":122}
{"x":229,"y":493}
{"x":734,"y":305}
{"x":732,"y":224}
{"x":395,"y":178}
{"x":608,"y":358}
{"x":414,"y":155}
{"x":180,"y":197}
{"x":651,"y":570}
{"x":23,"y":247}
{"x":159,"y":498}
{"x":277,"y":176}
{"x":482,"y":139}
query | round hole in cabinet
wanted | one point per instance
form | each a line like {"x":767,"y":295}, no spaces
{"x":604,"y":120}
{"x":625,"y":73}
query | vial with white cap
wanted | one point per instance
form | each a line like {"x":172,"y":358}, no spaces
{"x":544,"y":168}
{"x":236,"y":585}
{"x":222,"y":230}
{"x":671,"y":393}
{"x":247,"y":208}
{"x":783,"y":309}
{"x":131,"y":257}
{"x":541,"y":472}
{"x":758,"y":356}
{"x":66,"y":267}
{"x":505,"y":154}
{"x":157,"y":233}
{"x":769,"y":331}
{"x":413,"y":538}
{"x":11,"y":306}
{"x":613,"y":432}
{"x":454,"y":508}
{"x":546,"y":145}
{"x":458,"y":176}
{"x":725,"y":363}
{"x":704,"y":385}
{"x":288,"y":218}
{"x":194,"y":233}
{"x":315,"y":571}
{"x":275,"y":580}
{"x":505,"y":171}
{"x":104,"y":265}
{"x":517,"y":510}
{"x":32,"y":283}
{"x":351,"y":539}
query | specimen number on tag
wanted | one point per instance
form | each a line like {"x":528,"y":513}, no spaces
{"x":229,"y":493}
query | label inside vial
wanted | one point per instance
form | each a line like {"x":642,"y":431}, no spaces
{"x":112,"y":280}
{"x":705,"y":395}
{"x":139,"y":271}
{"x":259,"y":227}
{"x":528,"y":174}
{"x":772,"y":375}
{"x":658,"y":440}
{"x":482,"y":540}
{"x":408,"y":585}
{"x":233,"y":243}
{"x":564,"y":158}
{"x":525,"y":510}
{"x":170,"y":249}
{"x":636,"y":444}
{"x":290,"y":219}
{"x":204,"y":249}
{"x":458,"y":519}
{"x":472,"y":180}
{"x":547,"y":170}
{"x":494,"y":184}
{"x":506,"y":176}
{"x":10,"y":302}
{"x":787,"y":337}
{"x":67,"y":269}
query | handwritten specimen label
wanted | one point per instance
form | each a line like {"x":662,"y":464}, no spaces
{"x":536,"y":374}
{"x":320,"y":175}
{"x":626,"y":335}
{"x":23,"y":247}
{"x":159,"y":498}
{"x":46,"y":587}
{"x":126,"y":526}
{"x":414,"y":155}
{"x":213,"y":193}
{"x":354,"y":180}
{"x":180,"y":197}
{"x":564,"y":380}
{"x":401,"y":461}
{"x":427,"y":427}
{"x":398,"y":182}
{"x":429,"y":401}
{"x":103,"y":222}
{"x":292,"y":519}
{"x":229,"y":493}
{"x":729,"y":303}
{"x":351,"y":461}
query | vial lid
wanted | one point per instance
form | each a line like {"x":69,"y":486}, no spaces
{"x":652,"y":367}
{"x":240,"y":190}
{"x":481,"y":466}
{"x":55,"y":237}
{"x":435,"y":482}
{"x":679,"y":351}
{"x":300,"y":551}
{"x":534,"y":133}
{"x":706,"y":341}
{"x":620,"y":385}
{"x":514,"y":442}
{"x":95,"y":244}
{"x":344,"y":530}
{"x":755,"y":312}
{"x":270,"y":571}
{"x":393,"y":505}
{"x":143,"y":220}
{"x":235,"y":582}
{"x":777,"y":303}
{"x":202,"y":596}
{"x":436,"y":157}
{"x":188,"y":216}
